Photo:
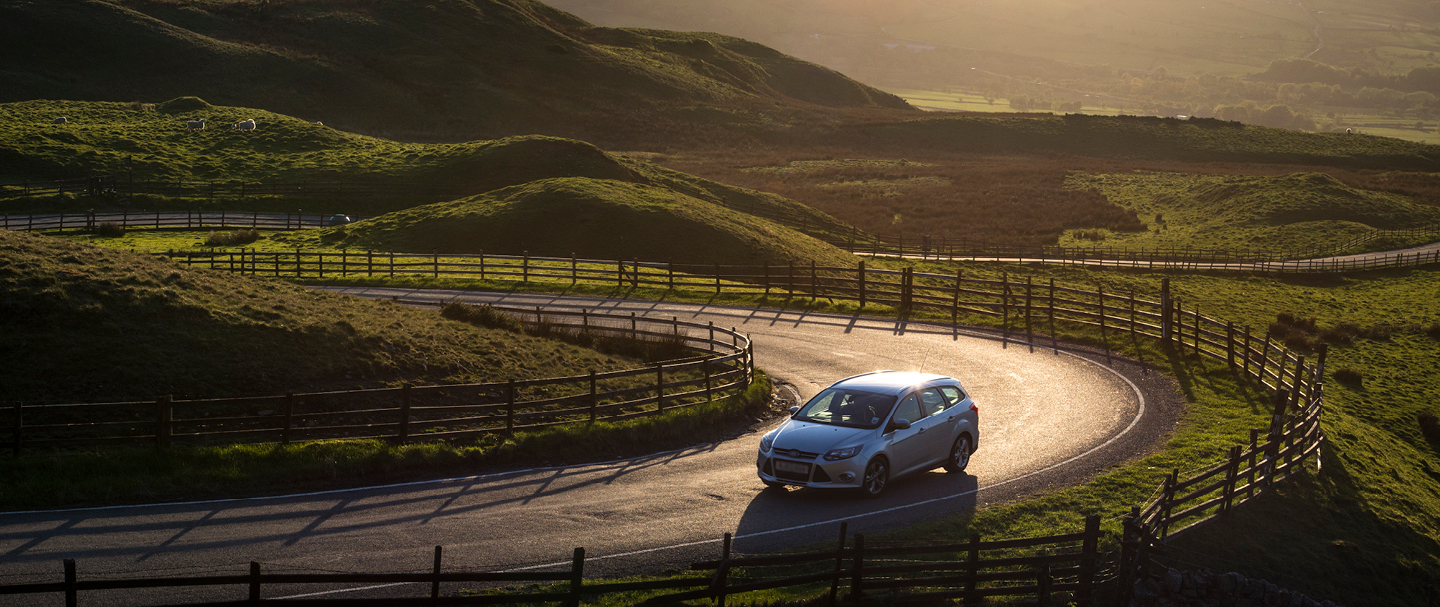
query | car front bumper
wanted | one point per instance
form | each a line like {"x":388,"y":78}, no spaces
{"x":818,"y":473}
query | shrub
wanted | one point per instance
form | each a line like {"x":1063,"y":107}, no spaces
{"x":1433,"y":330}
{"x":1348,"y":375}
{"x":1430,"y":426}
{"x":1342,"y":333}
{"x":233,"y":238}
{"x":110,"y":229}
{"x":484,"y":316}
{"x":1301,"y":341}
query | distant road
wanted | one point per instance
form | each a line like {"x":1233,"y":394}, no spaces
{"x":1048,"y":419}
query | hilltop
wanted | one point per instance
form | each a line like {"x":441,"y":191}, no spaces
{"x":595,"y":218}
{"x":455,"y":70}
{"x":81,"y":323}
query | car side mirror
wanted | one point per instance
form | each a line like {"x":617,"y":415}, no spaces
{"x":794,"y":410}
{"x":899,"y":424}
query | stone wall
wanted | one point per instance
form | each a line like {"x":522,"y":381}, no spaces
{"x":1205,"y":588}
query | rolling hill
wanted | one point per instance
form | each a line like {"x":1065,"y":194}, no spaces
{"x":453,"y":70}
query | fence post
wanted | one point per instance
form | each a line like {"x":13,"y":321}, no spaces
{"x":435,"y":261}
{"x":163,"y":413}
{"x":1089,"y":553}
{"x":404,"y":424}
{"x":857,"y":574}
{"x":659,"y":388}
{"x":717,"y":279}
{"x":814,"y":282}
{"x":19,"y":425}
{"x":765,"y":274}
{"x":510,"y":409}
{"x":862,"y":283}
{"x":1167,"y":496}
{"x":289,"y":416}
{"x":1042,"y":580}
{"x":718,"y":584}
{"x":1005,"y":305}
{"x":1277,"y":428}
{"x":72,"y":594}
{"x":839,"y":563}
{"x":1230,"y":343}
{"x":971,"y":597}
{"x":634,"y":335}
{"x":619,"y":274}
{"x":435,"y":582}
{"x":705,"y":367}
{"x":254,"y":583}
{"x":1165,"y":306}
{"x":670,"y":274}
{"x":1232,"y":470}
{"x":577,"y":578}
{"x":1254,"y":448}
{"x":905,"y":289}
{"x":790,"y":282}
{"x":594,"y":401}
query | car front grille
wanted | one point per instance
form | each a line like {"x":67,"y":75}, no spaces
{"x":796,"y":454}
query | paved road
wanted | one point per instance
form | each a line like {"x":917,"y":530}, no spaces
{"x":1048,"y":418}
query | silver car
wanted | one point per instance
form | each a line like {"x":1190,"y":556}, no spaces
{"x":864,"y":430}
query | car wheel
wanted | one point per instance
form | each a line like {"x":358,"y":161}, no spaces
{"x":877,"y":475}
{"x":959,"y":454}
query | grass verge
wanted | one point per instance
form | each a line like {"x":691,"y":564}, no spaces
{"x":86,"y":477}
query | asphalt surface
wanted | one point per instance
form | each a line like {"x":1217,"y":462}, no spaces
{"x":1049,"y":417}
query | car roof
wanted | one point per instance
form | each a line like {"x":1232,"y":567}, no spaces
{"x":891,"y":382}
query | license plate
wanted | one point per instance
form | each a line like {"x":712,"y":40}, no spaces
{"x":797,"y":468}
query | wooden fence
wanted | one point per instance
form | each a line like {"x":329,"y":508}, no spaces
{"x":724,"y":366}
{"x":325,"y":190}
{"x":165,"y":220}
{"x":925,"y":247}
{"x":1310,"y":260}
{"x":1058,"y":570}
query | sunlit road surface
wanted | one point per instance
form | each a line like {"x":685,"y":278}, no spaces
{"x":1048,"y":418}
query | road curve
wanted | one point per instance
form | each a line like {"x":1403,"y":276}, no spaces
{"x":1049,"y":417}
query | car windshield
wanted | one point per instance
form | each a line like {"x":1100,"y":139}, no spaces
{"x":845,"y":407}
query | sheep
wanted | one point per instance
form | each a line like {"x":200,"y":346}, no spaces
{"x":318,"y":123}
{"x":60,"y":120}
{"x":195,"y":125}
{"x":248,"y":125}
{"x":1347,"y":131}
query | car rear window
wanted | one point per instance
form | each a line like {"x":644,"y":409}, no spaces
{"x":952,"y":394}
{"x":844,"y":407}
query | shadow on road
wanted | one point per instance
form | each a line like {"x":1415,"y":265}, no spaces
{"x":776,"y":517}
{"x":291,"y":520}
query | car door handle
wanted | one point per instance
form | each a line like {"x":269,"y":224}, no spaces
{"x":922,"y":431}
{"x":950,"y":419}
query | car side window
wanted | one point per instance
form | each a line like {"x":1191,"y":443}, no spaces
{"x":931,"y":400}
{"x":909,"y":410}
{"x":952,"y":394}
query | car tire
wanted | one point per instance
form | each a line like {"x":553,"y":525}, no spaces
{"x":959,"y":456}
{"x":877,"y":477}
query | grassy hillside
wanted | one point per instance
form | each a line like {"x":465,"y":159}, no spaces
{"x":110,"y":138}
{"x":1249,"y":213}
{"x":81,"y":323}
{"x":1157,"y":139}
{"x":600,"y":219}
{"x":455,"y":70}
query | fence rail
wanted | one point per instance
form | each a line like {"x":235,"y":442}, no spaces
{"x":1309,"y":260}
{"x":723,"y":366}
{"x":1062,"y":569}
{"x":328,"y":190}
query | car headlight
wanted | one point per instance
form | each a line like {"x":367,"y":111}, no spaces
{"x":766,"y":442}
{"x":835,"y":455}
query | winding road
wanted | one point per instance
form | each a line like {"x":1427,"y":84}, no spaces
{"x":1051,"y":415}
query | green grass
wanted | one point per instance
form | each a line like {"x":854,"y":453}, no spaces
{"x":596,"y":219}
{"x":1259,"y":214}
{"x":140,"y":326}
{"x":116,"y":476}
{"x":1151,"y":138}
